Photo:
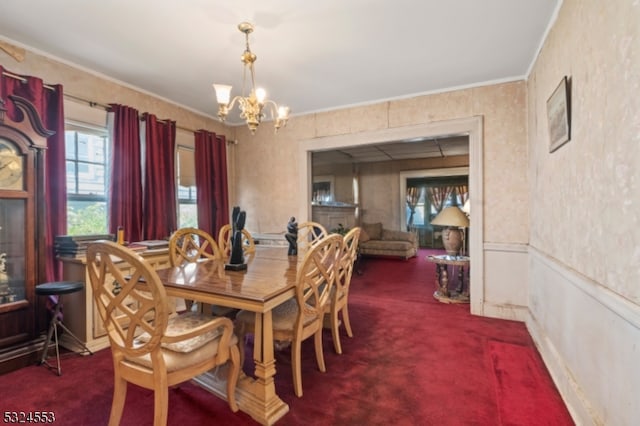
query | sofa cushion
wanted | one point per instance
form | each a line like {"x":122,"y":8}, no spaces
{"x":388,"y":235}
{"x":373,"y":230}
{"x":364,"y":237}
{"x":387,"y":245}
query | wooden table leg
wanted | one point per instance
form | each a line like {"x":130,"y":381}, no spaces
{"x":256,"y":397}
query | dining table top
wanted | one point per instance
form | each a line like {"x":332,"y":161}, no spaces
{"x":269,"y":279}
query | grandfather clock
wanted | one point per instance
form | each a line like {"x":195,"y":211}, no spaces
{"x":22,"y":233}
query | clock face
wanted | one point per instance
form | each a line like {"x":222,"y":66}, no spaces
{"x":11,"y":166}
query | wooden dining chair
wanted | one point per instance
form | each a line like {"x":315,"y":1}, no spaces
{"x":340,"y":291}
{"x":149,"y":348}
{"x":188,"y":245}
{"x":302,"y":316}
{"x":224,"y":241}
{"x":308,"y":234}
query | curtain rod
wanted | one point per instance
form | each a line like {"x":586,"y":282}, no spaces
{"x":92,"y":104}
{"x":24,"y":80}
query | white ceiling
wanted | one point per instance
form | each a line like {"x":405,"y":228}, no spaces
{"x":312,"y":55}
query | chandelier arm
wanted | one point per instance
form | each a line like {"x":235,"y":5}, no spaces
{"x":233,"y":102}
{"x":272,"y":107}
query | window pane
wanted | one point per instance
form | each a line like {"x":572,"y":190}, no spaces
{"x":86,"y":154}
{"x":183,"y":192}
{"x":96,"y":149}
{"x":70,"y":145}
{"x":418,"y":215}
{"x":91,"y":179}
{"x":71,"y":178}
{"x":86,"y":217}
{"x":188,"y":215}
{"x":83,"y":144}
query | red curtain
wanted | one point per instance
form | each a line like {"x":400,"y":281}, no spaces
{"x":160,"y":218}
{"x":211,"y":181}
{"x":125,"y":183}
{"x":49,"y":104}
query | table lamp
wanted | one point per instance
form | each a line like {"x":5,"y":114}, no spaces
{"x":453,"y":218}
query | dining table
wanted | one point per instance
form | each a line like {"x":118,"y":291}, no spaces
{"x":268,"y":280}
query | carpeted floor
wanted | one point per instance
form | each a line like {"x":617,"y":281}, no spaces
{"x":412,"y":361}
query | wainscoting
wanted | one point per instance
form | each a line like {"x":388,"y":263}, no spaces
{"x":506,"y":281}
{"x":588,"y":337}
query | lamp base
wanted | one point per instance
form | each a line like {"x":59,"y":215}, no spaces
{"x":452,"y":241}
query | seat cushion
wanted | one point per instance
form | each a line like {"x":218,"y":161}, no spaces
{"x":180,"y":360}
{"x":180,"y":324}
{"x":283,"y":316}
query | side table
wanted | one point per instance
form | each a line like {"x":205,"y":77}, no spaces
{"x":442,"y":293}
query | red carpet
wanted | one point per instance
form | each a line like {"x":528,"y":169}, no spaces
{"x":521,"y":380}
{"x":412,"y":361}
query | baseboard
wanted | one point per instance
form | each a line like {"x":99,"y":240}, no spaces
{"x":508,"y":312}
{"x":93,"y":345}
{"x":21,"y":355}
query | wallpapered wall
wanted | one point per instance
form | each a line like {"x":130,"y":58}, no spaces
{"x":90,"y":87}
{"x":584,"y":291}
{"x":263,"y":168}
{"x":585,"y":197}
{"x":266,"y":158}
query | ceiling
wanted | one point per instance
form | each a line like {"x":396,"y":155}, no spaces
{"x":312,"y":55}
{"x":399,"y":150}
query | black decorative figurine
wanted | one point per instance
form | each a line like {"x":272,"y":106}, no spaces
{"x":236,"y":262}
{"x":292,"y":236}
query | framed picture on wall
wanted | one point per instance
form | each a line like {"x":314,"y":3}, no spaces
{"x":559,"y":115}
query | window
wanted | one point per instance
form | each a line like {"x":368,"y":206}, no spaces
{"x":87,"y":171}
{"x":187,"y":207}
{"x":434,"y":194}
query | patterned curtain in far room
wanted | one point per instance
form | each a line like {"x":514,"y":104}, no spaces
{"x":48,"y":100}
{"x":438,"y":195}
{"x":211,"y":181}
{"x":125,"y":179}
{"x":463,"y":193}
{"x":159,"y":206}
{"x":413,"y":195}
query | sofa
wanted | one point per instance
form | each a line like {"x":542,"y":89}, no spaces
{"x":377,"y":241}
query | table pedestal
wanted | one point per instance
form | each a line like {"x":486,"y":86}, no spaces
{"x":442,"y":293}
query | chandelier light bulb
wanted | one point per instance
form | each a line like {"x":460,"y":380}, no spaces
{"x":283,"y":112}
{"x":261,"y":95}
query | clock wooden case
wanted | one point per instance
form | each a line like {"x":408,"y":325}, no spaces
{"x":22,"y":233}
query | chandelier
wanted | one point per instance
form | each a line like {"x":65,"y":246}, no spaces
{"x":254,"y":106}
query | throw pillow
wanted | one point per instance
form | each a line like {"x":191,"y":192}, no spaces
{"x":373,"y":230}
{"x":364,"y":237}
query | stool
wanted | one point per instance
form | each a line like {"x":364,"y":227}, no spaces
{"x":58,"y":289}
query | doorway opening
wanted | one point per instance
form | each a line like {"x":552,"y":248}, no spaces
{"x":470,"y":126}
